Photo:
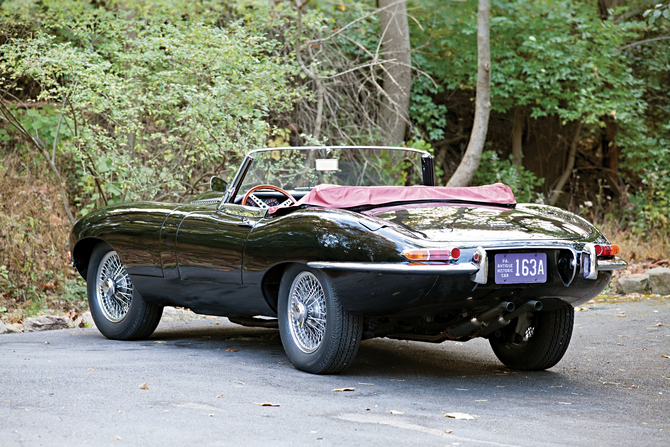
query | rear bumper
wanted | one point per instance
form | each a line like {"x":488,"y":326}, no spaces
{"x":410,"y":269}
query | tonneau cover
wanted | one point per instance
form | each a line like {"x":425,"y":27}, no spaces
{"x":334,"y":196}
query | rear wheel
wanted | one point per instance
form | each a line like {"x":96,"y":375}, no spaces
{"x":534,"y":342}
{"x":119,"y":312}
{"x":318,"y":335}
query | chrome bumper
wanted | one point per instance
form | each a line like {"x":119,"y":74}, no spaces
{"x":447,"y":269}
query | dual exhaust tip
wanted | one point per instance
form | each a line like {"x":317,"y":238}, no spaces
{"x":493,"y":319}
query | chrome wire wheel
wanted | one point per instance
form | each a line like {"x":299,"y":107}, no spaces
{"x":114,"y":290}
{"x":307,"y":312}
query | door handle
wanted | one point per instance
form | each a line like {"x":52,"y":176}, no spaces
{"x":246,"y":222}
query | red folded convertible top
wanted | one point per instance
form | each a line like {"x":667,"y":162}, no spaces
{"x":334,"y":196}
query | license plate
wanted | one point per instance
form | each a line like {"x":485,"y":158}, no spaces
{"x":521,"y":268}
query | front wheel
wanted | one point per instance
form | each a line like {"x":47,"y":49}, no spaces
{"x":119,"y":312}
{"x":318,"y":335}
{"x":543,"y":340}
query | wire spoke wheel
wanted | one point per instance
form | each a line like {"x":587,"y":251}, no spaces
{"x":114,"y":290}
{"x":307,"y":312}
{"x":318,"y":334}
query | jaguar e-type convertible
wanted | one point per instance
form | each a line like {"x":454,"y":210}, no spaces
{"x":334,"y":245}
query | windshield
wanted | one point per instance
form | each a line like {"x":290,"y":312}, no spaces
{"x":303,"y":169}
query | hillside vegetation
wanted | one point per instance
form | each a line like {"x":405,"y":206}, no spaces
{"x":112,"y":101}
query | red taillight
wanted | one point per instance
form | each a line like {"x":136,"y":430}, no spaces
{"x":424,"y":255}
{"x":606,"y":250}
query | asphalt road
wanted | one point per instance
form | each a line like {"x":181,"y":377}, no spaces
{"x":206,"y":378}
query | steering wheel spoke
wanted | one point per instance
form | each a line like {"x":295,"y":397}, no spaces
{"x":254,"y":198}
{"x":251,"y":197}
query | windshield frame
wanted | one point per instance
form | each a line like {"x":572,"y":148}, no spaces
{"x":427,"y":164}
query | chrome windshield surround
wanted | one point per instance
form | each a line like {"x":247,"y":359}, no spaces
{"x":235,"y":185}
{"x":433,"y":269}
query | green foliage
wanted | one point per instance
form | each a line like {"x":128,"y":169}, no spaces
{"x":523,"y":182}
{"x":40,"y":122}
{"x":556,"y":57}
{"x":660,"y":12}
{"x":154,"y":102}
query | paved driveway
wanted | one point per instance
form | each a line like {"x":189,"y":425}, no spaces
{"x":206,"y":379}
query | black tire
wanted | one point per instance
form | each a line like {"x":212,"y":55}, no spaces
{"x":551,"y":332}
{"x":119,"y":312}
{"x":310,"y":346}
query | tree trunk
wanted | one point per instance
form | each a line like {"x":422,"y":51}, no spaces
{"x":397,"y":76}
{"x":517,"y":137}
{"x":558,"y":190}
{"x":470,"y":163}
{"x":611,"y":154}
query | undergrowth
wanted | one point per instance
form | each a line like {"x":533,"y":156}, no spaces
{"x":34,"y":275}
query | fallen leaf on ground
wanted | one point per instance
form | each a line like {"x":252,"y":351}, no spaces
{"x":217,"y":323}
{"x":232,"y":350}
{"x":396,"y":412}
{"x":464,"y":416}
{"x":367,"y":409}
{"x":448,"y":431}
{"x":344,"y":389}
{"x":266,"y":404}
{"x":144,"y":386}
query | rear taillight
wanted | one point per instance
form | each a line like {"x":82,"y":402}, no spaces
{"x":606,"y":250}
{"x":425,"y":255}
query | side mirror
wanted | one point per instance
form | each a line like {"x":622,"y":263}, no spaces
{"x":218,"y":185}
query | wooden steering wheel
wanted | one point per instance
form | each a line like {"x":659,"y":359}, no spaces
{"x":258,"y":202}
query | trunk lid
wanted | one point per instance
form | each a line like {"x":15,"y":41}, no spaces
{"x":481,"y":224}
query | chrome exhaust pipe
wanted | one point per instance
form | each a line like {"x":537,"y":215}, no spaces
{"x":472,"y":324}
{"x":503,"y":320}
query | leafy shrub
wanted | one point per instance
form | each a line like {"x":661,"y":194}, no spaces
{"x":524,"y":183}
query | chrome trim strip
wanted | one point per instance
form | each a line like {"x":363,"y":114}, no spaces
{"x":447,"y":269}
{"x":608,"y":265}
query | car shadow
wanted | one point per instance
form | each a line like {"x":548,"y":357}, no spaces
{"x":376,"y":359}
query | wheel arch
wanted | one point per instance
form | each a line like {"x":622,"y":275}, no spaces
{"x":81,"y":254}
{"x":271,"y":282}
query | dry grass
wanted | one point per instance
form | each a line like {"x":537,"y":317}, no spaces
{"x":34,"y":276}
{"x":652,"y":247}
